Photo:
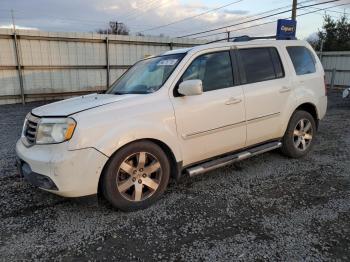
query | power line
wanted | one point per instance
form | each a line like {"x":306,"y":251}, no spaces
{"x":271,"y":22}
{"x":338,"y":12}
{"x":192,"y":17}
{"x":145,"y":5}
{"x":256,"y":19}
{"x":256,"y":15}
{"x":251,"y":16}
{"x":147,"y":10}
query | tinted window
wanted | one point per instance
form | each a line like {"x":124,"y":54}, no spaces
{"x":261,"y":64}
{"x":213,"y":69}
{"x":303,"y":60}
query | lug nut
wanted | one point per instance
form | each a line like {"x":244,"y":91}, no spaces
{"x":133,"y":179}
{"x":140,"y":181}
{"x":141,"y":169}
{"x":134,"y":172}
{"x":144,"y":175}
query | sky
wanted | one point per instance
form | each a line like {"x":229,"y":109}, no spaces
{"x":152,"y":17}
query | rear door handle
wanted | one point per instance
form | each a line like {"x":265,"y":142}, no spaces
{"x":233,"y":101}
{"x":285,"y":89}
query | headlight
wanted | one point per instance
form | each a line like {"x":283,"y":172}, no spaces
{"x":55,"y":130}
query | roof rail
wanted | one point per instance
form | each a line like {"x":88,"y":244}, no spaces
{"x":243,"y":38}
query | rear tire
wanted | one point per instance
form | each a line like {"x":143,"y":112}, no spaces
{"x":136,"y":176}
{"x":299,"y":137}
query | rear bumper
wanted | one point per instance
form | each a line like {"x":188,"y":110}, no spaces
{"x":54,"y":168}
{"x":322,"y":107}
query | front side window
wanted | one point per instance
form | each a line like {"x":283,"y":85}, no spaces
{"x":213,"y":69}
{"x":261,"y":64}
{"x":303,"y":60}
{"x":146,"y":76}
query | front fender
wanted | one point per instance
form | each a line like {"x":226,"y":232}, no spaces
{"x":109,"y":127}
{"x":119,"y":137}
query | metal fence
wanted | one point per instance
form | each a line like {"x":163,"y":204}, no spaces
{"x":337,"y":68}
{"x":38,"y":65}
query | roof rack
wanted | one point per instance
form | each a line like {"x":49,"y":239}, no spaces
{"x":243,"y":38}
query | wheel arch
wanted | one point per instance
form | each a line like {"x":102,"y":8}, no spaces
{"x":310,"y":108}
{"x":175,"y":167}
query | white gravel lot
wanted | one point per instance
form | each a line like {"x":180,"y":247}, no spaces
{"x":265,"y":208}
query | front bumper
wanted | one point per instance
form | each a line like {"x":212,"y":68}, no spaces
{"x":54,"y":168}
{"x":33,"y":178}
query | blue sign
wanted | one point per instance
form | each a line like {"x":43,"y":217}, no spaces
{"x":286,"y":29}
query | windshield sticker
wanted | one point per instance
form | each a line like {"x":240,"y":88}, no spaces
{"x":167,"y":62}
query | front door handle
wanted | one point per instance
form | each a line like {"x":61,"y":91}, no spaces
{"x":285,"y":89}
{"x":233,"y":101}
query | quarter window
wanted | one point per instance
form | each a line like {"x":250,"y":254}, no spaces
{"x":303,"y":60}
{"x":260,"y":64}
{"x":213,"y":69}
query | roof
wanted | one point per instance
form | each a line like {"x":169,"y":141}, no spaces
{"x":228,"y":44}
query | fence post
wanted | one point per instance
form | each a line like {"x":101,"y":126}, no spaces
{"x":19,"y":67}
{"x":321,"y":50}
{"x":334,"y":71}
{"x":171,"y":45}
{"x":107,"y":62}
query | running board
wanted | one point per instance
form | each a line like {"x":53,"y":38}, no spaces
{"x":227,"y":160}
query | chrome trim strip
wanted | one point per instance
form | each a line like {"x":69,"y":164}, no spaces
{"x":261,"y":118}
{"x":211,"y":131}
{"x":227,"y":127}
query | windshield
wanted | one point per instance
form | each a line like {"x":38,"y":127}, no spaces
{"x":146,"y":76}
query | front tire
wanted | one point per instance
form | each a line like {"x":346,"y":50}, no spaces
{"x":136,"y":176}
{"x":299,"y":137}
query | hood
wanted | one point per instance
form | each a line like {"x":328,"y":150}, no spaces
{"x":74,"y":105}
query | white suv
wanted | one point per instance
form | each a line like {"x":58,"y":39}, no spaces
{"x":184,"y":112}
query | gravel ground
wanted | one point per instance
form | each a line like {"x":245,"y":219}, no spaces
{"x":265,"y":208}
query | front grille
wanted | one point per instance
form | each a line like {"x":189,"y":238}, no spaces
{"x":30,"y":129}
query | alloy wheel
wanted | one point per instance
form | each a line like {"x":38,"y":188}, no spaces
{"x":302,"y":135}
{"x":139,"y":176}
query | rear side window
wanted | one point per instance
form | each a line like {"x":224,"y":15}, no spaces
{"x":303,"y":60}
{"x":260,"y":64}
{"x":214,"y":69}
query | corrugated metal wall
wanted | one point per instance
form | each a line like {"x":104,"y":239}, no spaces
{"x":57,"y":65}
{"x":340,"y":61}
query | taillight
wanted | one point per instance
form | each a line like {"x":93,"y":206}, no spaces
{"x":325,"y":85}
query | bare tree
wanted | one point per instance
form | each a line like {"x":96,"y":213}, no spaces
{"x":115,"y":28}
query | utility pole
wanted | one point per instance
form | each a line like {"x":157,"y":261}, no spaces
{"x":228,"y":36}
{"x":294,"y":10}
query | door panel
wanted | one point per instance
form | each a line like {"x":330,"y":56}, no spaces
{"x":266,"y":103}
{"x":268,"y":92}
{"x":209,"y":124}
{"x":212,"y":123}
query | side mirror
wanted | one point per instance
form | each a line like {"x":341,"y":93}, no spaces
{"x":191,"y":87}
